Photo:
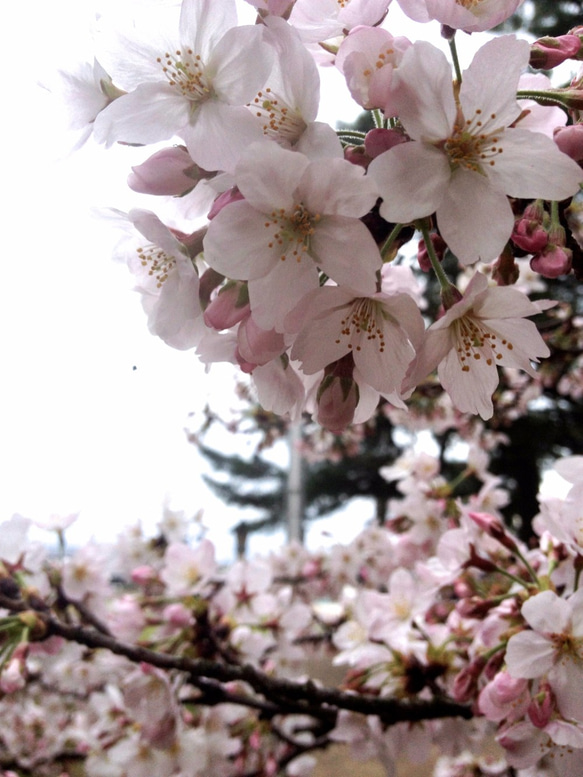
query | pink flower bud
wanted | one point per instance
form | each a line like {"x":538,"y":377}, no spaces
{"x":256,"y":345}
{"x":144,"y":575}
{"x":542,"y":706}
{"x":357,"y":155}
{"x":177,"y":615}
{"x":548,"y":52}
{"x":505,"y":271}
{"x":465,"y":685}
{"x":170,"y":171}
{"x":529,"y":234}
{"x":337,"y":401}
{"x":377,"y":141}
{"x":229,"y":307}
{"x":570,"y":140}
{"x":495,"y":528}
{"x":553,"y":261}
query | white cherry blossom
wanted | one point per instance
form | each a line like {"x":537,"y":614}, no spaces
{"x":484,"y":330}
{"x":195,"y":86}
{"x":466,"y":158}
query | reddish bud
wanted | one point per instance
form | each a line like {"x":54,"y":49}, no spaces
{"x":553,"y":261}
{"x":548,"y":52}
{"x":541,"y":707}
{"x":229,"y":307}
{"x":377,"y":141}
{"x":570,"y":140}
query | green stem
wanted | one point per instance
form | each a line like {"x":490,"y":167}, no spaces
{"x":351,"y":136}
{"x":543,"y":97}
{"x":378,"y":118}
{"x":388,"y":244}
{"x":455,"y":58}
{"x":444,"y":281}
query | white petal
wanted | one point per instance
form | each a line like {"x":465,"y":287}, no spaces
{"x":411,"y":179}
{"x":531,"y":165}
{"x":268,"y":176}
{"x":474,"y":218}
{"x":491,"y":81}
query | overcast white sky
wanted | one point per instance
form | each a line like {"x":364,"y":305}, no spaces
{"x":80,"y":428}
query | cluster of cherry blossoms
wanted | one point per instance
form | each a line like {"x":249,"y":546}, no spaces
{"x":438,"y":629}
{"x":280,"y":244}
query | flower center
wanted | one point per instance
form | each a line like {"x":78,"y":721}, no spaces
{"x":293,"y":231}
{"x":385,"y":57}
{"x":472,"y":146}
{"x":361,"y":322}
{"x":158,"y":262}
{"x":280,"y":121}
{"x":185,"y":73}
{"x":475,"y":342}
{"x":468,"y":3}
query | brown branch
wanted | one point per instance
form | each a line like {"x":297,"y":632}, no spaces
{"x":305,"y":697}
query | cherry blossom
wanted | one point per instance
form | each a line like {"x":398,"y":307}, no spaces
{"x":298,"y":216}
{"x":196,"y":87}
{"x":466,"y":158}
{"x":553,"y":648}
{"x":380,"y":331}
{"x":166,"y":279}
{"x":483,"y":330}
{"x":467,"y":15}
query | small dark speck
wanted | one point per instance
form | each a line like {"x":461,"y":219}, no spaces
{"x":134,"y":368}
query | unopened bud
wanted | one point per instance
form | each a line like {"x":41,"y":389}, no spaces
{"x":548,"y":52}
{"x":553,"y":261}
{"x":377,"y":141}
{"x":570,"y":140}
{"x":170,"y":171}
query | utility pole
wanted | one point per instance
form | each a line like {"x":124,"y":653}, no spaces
{"x":295,"y":485}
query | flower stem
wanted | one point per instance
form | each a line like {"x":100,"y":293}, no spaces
{"x":378,"y":118}
{"x":388,"y":244}
{"x":455,"y":58}
{"x":444,"y":281}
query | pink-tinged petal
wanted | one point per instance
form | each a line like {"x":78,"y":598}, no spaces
{"x":368,"y":399}
{"x":295,"y":76}
{"x":279,"y":389}
{"x":434,"y":349}
{"x":275,"y":295}
{"x":204,"y":22}
{"x":518,"y":342}
{"x":175,"y":314}
{"x":503,"y":302}
{"x":566,"y":680}
{"x":483,"y":15}
{"x":415,"y":9}
{"x":423,"y":93}
{"x":319,"y":343}
{"x":548,"y":613}
{"x":268,"y":176}
{"x":219,"y":134}
{"x":531,"y":165}
{"x":576,"y":605}
{"x":474,"y":219}
{"x":152,"y":112}
{"x":470,"y":390}
{"x":411,"y":178}
{"x":346,"y":251}
{"x":338,"y":188}
{"x":528,"y":654}
{"x":490,"y":88}
{"x":383,"y":363}
{"x":237,"y":243}
{"x":236,"y":77}
{"x":318,"y":141}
